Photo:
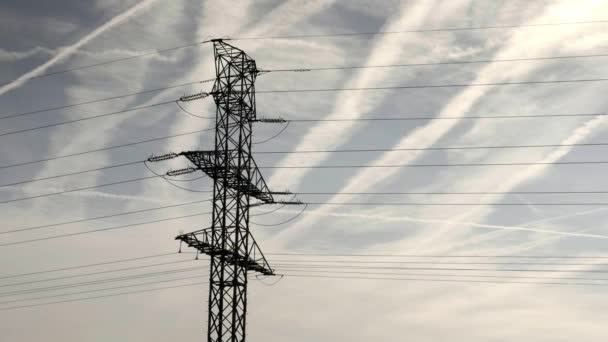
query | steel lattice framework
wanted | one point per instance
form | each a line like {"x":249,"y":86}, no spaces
{"x":236,"y":179}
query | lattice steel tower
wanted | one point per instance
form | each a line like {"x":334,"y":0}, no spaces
{"x":236,"y":179}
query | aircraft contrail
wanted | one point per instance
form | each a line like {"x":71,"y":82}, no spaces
{"x":459,"y":223}
{"x":69,"y":50}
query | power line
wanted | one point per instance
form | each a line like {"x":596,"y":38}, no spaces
{"x":321,"y":271}
{"x":429,"y":165}
{"x":339,"y":167}
{"x":342,"y":262}
{"x":532,"y":116}
{"x":72,"y":173}
{"x":94,"y":273}
{"x":457,"y":193}
{"x":89,"y":265}
{"x":442,"y":269}
{"x":272,"y":137}
{"x":304,"y":276}
{"x":457,"y":204}
{"x":100,"y":281}
{"x":326,"y":151}
{"x":443,"y":280}
{"x":77,"y":189}
{"x":98,"y":290}
{"x":448,"y":275}
{"x":318,"y":90}
{"x":298,"y":275}
{"x":190,"y":113}
{"x":441,"y":148}
{"x":113,"y":61}
{"x":103,"y":296}
{"x":323,"y":151}
{"x":101,"y":217}
{"x":440,"y":255}
{"x":102,"y":99}
{"x":306,"y":69}
{"x":86,"y":118}
{"x":352,"y":34}
{"x":449,"y":29}
{"x":105,"y":148}
{"x":101,"y":230}
{"x":282,"y":222}
{"x":345,"y":203}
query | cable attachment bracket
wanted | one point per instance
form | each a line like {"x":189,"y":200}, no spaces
{"x":167,"y":156}
{"x":193,"y":97}
{"x":180,"y":172}
{"x":296,"y":202}
{"x":286,"y":192}
{"x":271,"y":120}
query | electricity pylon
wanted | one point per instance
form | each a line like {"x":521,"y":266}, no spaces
{"x":236,"y":179}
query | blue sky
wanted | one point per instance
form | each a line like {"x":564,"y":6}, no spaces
{"x":41,"y":38}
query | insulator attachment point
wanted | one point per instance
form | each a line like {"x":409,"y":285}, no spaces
{"x":271,"y":120}
{"x":193,"y":97}
{"x":286,"y":192}
{"x":167,"y":156}
{"x":180,"y":172}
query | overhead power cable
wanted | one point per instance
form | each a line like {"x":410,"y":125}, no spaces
{"x":460,"y":269}
{"x":346,"y":34}
{"x":339,"y":263}
{"x":307,"y":276}
{"x":101,"y":217}
{"x":326,"y":167}
{"x":272,"y":137}
{"x":29,"y":282}
{"x":192,"y":114}
{"x":105,"y":148}
{"x":331,"y":271}
{"x":358,"y":258}
{"x":282,"y":222}
{"x":458,"y":193}
{"x":102,"y":296}
{"x":78,"y":189}
{"x":443,"y":256}
{"x":441,"y":280}
{"x":430,"y":165}
{"x":493,"y":84}
{"x":458,"y":204}
{"x":100,"y":281}
{"x":446,"y":275}
{"x":419,"y":118}
{"x":334,"y":120}
{"x":402,"y":65}
{"x":89,"y":265}
{"x":102,"y":99}
{"x":445,"y":29}
{"x":86,"y":118}
{"x":440,"y":148}
{"x":103,"y":229}
{"x":72,"y":173}
{"x":81,"y":67}
{"x":99,"y":290}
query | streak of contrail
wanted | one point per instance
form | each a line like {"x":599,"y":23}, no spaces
{"x":458,"y":223}
{"x":67,"y":51}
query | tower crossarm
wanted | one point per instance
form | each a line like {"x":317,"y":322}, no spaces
{"x":251,"y":183}
{"x":254,"y":260}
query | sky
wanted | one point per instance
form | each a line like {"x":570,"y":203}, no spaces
{"x":39,"y":38}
